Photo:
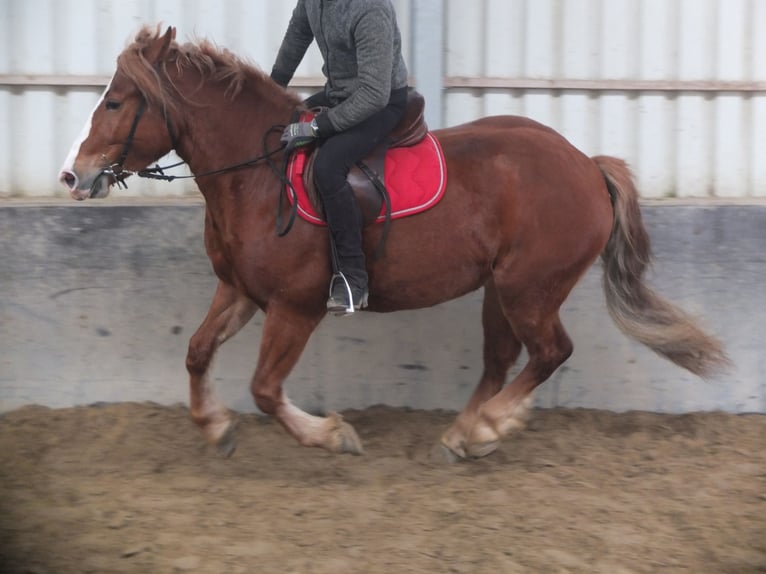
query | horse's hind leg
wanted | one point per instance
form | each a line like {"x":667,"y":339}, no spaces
{"x":228,"y":313}
{"x":539,"y":328}
{"x":501,"y":349}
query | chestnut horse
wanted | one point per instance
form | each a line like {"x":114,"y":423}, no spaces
{"x":524,"y":216}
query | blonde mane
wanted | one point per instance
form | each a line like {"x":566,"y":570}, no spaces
{"x":212,"y":63}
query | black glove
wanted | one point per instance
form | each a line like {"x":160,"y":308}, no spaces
{"x":299,"y":134}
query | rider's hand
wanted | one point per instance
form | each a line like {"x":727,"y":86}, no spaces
{"x":299,"y":134}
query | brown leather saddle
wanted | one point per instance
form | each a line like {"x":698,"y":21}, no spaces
{"x":367,"y":176}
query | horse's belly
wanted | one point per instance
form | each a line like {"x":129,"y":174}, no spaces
{"x":428,"y":261}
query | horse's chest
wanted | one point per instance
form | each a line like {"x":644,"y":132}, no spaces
{"x":223,"y":249}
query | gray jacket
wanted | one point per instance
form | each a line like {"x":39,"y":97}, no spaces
{"x":362,"y":50}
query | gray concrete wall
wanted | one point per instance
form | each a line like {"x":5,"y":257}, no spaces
{"x":98,"y":301}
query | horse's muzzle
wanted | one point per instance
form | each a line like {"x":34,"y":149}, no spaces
{"x":81,"y":190}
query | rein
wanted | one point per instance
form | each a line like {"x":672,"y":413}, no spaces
{"x":158,"y":172}
{"x":119,"y":173}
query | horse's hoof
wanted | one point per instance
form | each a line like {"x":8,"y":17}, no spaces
{"x":482,"y":449}
{"x":442,"y":454}
{"x":343,"y":437}
{"x":227,"y":443}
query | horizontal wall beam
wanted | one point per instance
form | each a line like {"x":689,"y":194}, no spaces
{"x":53,"y":80}
{"x":490,"y":83}
{"x":450,"y":82}
{"x":100,"y":81}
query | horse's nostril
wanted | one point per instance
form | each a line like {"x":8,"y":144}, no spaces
{"x":68,"y":179}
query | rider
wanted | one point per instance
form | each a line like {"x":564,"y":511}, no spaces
{"x":364,"y":95}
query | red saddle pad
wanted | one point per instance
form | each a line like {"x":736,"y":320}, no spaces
{"x":415,"y":178}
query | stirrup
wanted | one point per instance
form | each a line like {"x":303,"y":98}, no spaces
{"x":338,"y":310}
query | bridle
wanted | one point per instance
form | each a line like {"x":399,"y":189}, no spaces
{"x":117,"y":169}
{"x":119,"y":173}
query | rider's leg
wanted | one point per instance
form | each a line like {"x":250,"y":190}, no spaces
{"x":334,"y":160}
{"x":345,"y":221}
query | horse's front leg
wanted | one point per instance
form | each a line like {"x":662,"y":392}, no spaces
{"x":284,"y":336}
{"x":228,"y":313}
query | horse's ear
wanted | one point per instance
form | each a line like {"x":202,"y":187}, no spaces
{"x":159,"y":48}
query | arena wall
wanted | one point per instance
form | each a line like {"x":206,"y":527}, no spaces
{"x":98,"y":301}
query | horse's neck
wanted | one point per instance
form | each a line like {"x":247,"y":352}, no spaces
{"x":223,"y":132}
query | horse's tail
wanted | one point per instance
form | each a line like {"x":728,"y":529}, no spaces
{"x":637,"y":310}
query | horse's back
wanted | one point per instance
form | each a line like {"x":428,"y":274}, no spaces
{"x":520,"y":154}
{"x":532,"y":183}
{"x":504,"y":127}
{"x":505,"y":122}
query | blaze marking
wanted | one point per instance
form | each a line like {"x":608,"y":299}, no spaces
{"x":75,"y":149}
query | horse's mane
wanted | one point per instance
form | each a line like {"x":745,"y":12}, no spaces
{"x":212,"y":63}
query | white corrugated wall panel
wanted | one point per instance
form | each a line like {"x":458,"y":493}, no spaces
{"x":757,"y":63}
{"x":694,"y":141}
{"x":464,"y":57}
{"x":679,"y":142}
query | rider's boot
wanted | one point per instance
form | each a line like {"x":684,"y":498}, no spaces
{"x":348,"y":288}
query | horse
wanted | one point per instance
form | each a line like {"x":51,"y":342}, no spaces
{"x":524,"y":215}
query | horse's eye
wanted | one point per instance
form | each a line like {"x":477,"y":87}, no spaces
{"x":112,"y":105}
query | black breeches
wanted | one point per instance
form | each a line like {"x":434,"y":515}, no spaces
{"x":341,"y":151}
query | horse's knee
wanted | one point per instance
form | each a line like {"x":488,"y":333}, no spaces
{"x":198,"y":356}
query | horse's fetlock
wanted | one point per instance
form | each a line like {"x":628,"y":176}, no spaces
{"x":265,"y":400}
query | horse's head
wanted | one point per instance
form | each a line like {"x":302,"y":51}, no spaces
{"x":129,"y":127}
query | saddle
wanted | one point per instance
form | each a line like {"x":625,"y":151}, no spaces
{"x":367,"y":177}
